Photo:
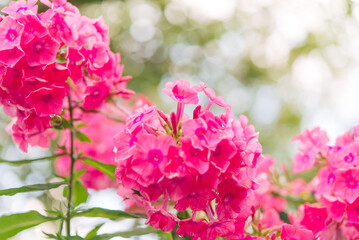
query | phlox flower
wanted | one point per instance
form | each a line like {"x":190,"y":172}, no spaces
{"x":290,"y":232}
{"x":347,"y":184}
{"x":314,"y":218}
{"x":10,"y":33}
{"x":41,"y":51}
{"x":181,"y":92}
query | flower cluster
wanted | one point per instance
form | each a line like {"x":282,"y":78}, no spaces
{"x":204,"y":166}
{"x":46,"y":56}
{"x":336,"y":186}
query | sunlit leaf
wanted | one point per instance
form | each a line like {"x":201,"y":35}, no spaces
{"x":107,"y":213}
{"x":15,"y":223}
{"x":30,"y":188}
{"x":107,"y":169}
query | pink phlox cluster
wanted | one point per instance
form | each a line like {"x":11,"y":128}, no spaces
{"x":39,"y":52}
{"x":336,"y":186}
{"x":312,"y":143}
{"x":202,"y":167}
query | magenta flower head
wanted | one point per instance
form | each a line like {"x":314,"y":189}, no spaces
{"x":46,"y":57}
{"x":203,"y":165}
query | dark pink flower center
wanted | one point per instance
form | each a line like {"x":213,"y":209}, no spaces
{"x":29,"y":28}
{"x":212,"y":126}
{"x":38,"y":47}
{"x":351,"y":183}
{"x":331,"y":178}
{"x":200,"y":132}
{"x":349,"y":158}
{"x":138,"y":118}
{"x":21,"y":8}
{"x":155,"y":156}
{"x":11,"y":35}
{"x":228,"y":198}
{"x":305,"y":158}
{"x":47,"y":97}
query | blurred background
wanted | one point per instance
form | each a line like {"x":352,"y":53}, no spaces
{"x":287,"y":65}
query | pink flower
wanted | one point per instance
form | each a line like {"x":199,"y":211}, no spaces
{"x":41,"y":51}
{"x":32,"y":27}
{"x":304,"y":161}
{"x":12,"y":56}
{"x":10,"y":33}
{"x":181,"y":92}
{"x":47,"y":100}
{"x":150,"y":152}
{"x":314,"y":218}
{"x":161,"y":220}
{"x":326,"y":180}
{"x":347,"y":184}
{"x":75,"y":62}
{"x":95,"y":95}
{"x":16,"y":8}
{"x":335,"y":207}
{"x":290,"y":232}
{"x":219,"y":228}
{"x":231,"y":199}
{"x":196,"y":158}
{"x":191,"y":227}
{"x":353,"y":212}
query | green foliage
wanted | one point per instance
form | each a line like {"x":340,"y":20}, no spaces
{"x":82,"y":137}
{"x":107,"y":169}
{"x":30,"y":188}
{"x":107,"y":213}
{"x":79,"y":194}
{"x":93,"y":232}
{"x":27,"y":161}
{"x":134,"y":232}
{"x":15,"y":223}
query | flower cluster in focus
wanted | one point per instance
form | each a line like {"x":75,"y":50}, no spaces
{"x":201,"y":167}
{"x":47,"y":56}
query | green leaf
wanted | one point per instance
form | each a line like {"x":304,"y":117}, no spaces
{"x":135,"y":232}
{"x":26,"y":161}
{"x":107,"y":169}
{"x":15,"y":223}
{"x":107,"y":213}
{"x":80,"y":194}
{"x":79,"y":174}
{"x":93,"y":232}
{"x":82,"y":137}
{"x":30,"y":188}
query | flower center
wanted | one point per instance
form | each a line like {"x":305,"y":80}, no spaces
{"x":46,"y":97}
{"x":331,"y":178}
{"x":155,"y":156}
{"x":38,"y":47}
{"x":305,"y":158}
{"x":349,"y":158}
{"x":352,"y":183}
{"x":11,"y":35}
{"x":138,"y":118}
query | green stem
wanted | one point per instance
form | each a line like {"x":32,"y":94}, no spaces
{"x":26,"y":161}
{"x":72,"y":152}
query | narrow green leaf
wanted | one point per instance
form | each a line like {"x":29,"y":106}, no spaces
{"x":93,"y":232}
{"x":107,"y":213}
{"x":135,"y":232}
{"x":30,"y":188}
{"x":80,"y":194}
{"x":79,"y":174}
{"x":26,"y":161}
{"x":15,"y":223}
{"x":82,"y":137}
{"x":107,"y":169}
